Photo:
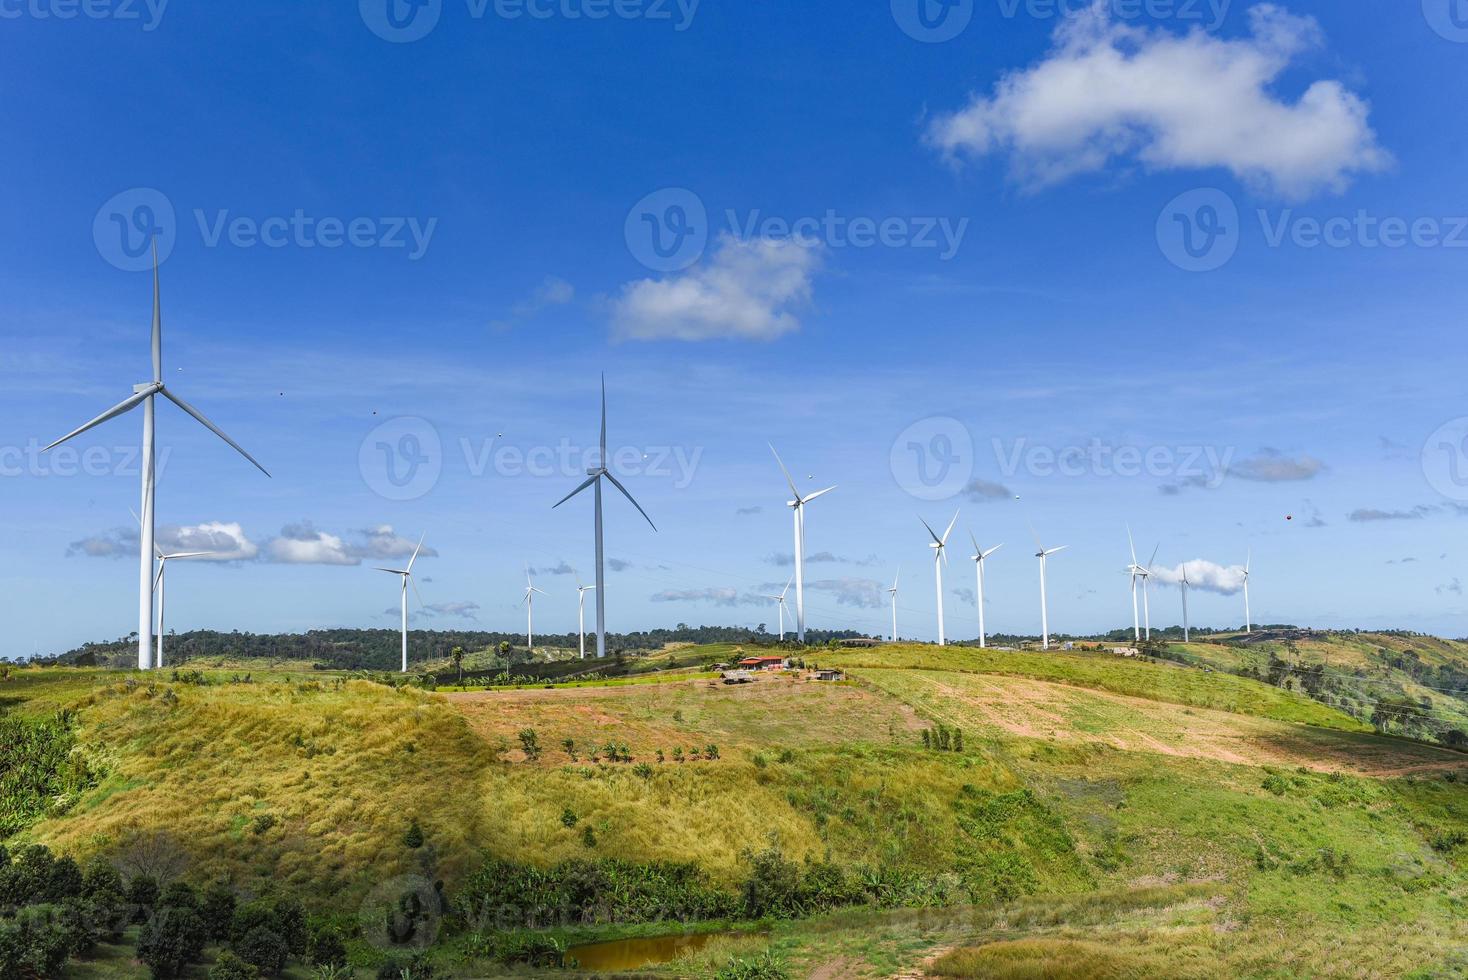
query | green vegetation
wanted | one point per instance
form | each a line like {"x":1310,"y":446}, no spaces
{"x":988,"y":813}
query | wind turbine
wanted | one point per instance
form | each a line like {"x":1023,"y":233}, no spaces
{"x":781,"y":600}
{"x":1184,"y":585}
{"x":407,"y":576}
{"x":979,"y":557}
{"x":1044,"y":554}
{"x":798,"y":506}
{"x":1248,"y":621}
{"x":1139,"y":574}
{"x":143,"y":395}
{"x":594,"y":476}
{"x":940,"y":558}
{"x":529,"y":603}
{"x":893,"y":593}
{"x":581,"y":591}
{"x":1146,"y":576}
{"x":158,"y":582}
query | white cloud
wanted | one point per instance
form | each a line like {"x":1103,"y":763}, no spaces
{"x":305,"y":544}
{"x":553,"y":291}
{"x":1108,"y":90}
{"x":743,"y":291}
{"x":1204,"y":575}
{"x":1273,"y":466}
{"x":861,"y":592}
{"x":463,"y":610}
{"x":718,"y":596}
{"x":226,"y":540}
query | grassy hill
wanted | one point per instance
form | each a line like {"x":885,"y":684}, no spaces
{"x":992,"y":813}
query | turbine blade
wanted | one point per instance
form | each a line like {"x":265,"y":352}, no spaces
{"x":418,"y":595}
{"x":1153,"y":560}
{"x":158,"y":577}
{"x":188,"y":554}
{"x":1131,"y":544}
{"x":992,"y":550}
{"x":818,"y":493}
{"x":199,"y":417}
{"x":950,"y":526}
{"x":1036,"y":535}
{"x":634,"y":503}
{"x":573,"y":493}
{"x":788,"y":478}
{"x":1056,"y":551}
{"x":534,"y":589}
{"x":395,"y":571}
{"x":159,"y":551}
{"x":603,"y":420}
{"x":157,"y":321}
{"x":416,"y":550}
{"x":936,"y":540}
{"x":127,"y":404}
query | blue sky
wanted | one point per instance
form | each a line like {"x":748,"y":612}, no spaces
{"x":873,"y":236}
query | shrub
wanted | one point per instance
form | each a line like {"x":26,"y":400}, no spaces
{"x":290,"y":923}
{"x":179,"y":895}
{"x":568,"y":817}
{"x":230,"y":967}
{"x":588,"y":836}
{"x":171,"y":939}
{"x":530,"y":744}
{"x":26,"y":879}
{"x":773,"y":885}
{"x":65,"y":881}
{"x":262,"y":823}
{"x":262,"y":948}
{"x":99,"y":876}
{"x":217,"y":910}
{"x":325,"y":946}
{"x":1276,"y":784}
{"x":413,"y":839}
{"x":711,"y":751}
{"x":32,"y":945}
{"x":142,"y":895}
{"x":762,"y":967}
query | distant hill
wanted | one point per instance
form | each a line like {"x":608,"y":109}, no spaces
{"x":379,"y":649}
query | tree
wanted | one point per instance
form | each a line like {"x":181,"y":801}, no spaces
{"x":262,"y":948}
{"x":171,"y":939}
{"x":230,"y":967}
{"x":457,"y":656}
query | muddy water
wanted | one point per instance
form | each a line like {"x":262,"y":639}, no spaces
{"x":629,"y":954}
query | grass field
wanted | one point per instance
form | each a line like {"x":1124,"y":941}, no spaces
{"x":1104,"y":817}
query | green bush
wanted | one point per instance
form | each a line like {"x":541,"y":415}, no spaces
{"x":413,"y":839}
{"x":142,"y":895}
{"x":171,"y":939}
{"x":762,"y":967}
{"x":179,"y":895}
{"x":217,"y":910}
{"x":263,"y":948}
{"x":34,"y":944}
{"x":230,"y":967}
{"x":325,"y":946}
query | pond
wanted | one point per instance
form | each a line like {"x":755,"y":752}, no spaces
{"x":629,"y":954}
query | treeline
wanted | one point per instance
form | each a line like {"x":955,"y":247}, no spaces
{"x":380,"y":649}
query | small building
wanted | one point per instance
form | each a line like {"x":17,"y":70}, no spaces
{"x":737,"y":677}
{"x":859,"y":641}
{"x":1126,"y":651}
{"x":828,"y":675}
{"x":763,"y":663}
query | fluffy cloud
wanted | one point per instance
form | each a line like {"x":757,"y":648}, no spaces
{"x":226,"y":541}
{"x":305,"y":544}
{"x":1273,"y":466}
{"x":743,"y":291}
{"x":785,"y":559}
{"x":562,"y":567}
{"x":861,"y":592}
{"x":1109,"y":90}
{"x":1204,"y":575}
{"x":984,"y":490}
{"x":553,"y":291}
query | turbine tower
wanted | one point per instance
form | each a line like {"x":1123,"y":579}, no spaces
{"x":581,"y":591}
{"x":594,"y":476}
{"x":407,"y":576}
{"x":1139,"y":574}
{"x":893,"y":593}
{"x":781,"y":600}
{"x":798,"y":506}
{"x":143,"y":394}
{"x":940,"y":558}
{"x":979,"y":557}
{"x":1043,"y":554}
{"x":529,"y":603}
{"x":1248,"y":621}
{"x":1184,"y":585}
{"x":1146,"y":576}
{"x":158,"y":583}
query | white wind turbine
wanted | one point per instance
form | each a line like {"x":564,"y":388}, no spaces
{"x":529,"y":603}
{"x":1248,"y":621}
{"x":1140,"y":573}
{"x":893,"y":593}
{"x":781,"y":600}
{"x":1044,"y":554}
{"x":143,"y":395}
{"x":940,"y":558}
{"x":407,"y":576}
{"x":1184,"y":585}
{"x":159,"y":581}
{"x":798,"y":506}
{"x":581,"y":591}
{"x":979,"y":557}
{"x":594,"y":476}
